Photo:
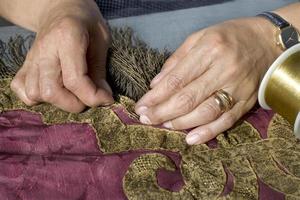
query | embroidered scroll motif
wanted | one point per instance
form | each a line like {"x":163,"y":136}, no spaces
{"x":241,"y":162}
{"x":240,"y":151}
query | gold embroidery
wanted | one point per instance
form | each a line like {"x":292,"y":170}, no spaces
{"x":241,"y":150}
{"x":275,"y":161}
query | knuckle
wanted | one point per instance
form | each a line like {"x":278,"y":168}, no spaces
{"x":29,"y":103}
{"x":229,"y":119}
{"x":71,"y":83}
{"x":106,"y":34}
{"x":175,"y":82}
{"x":156,"y":118}
{"x":15,"y":84}
{"x":48,"y":93}
{"x":66,"y":23}
{"x":39,"y":48}
{"x":218,"y":43}
{"x":107,"y":40}
{"x":186,"y":101}
{"x":172,"y":60}
{"x":178,"y":124}
{"x":232,"y":71}
{"x":218,"y":49}
{"x":212,"y":110}
{"x":69,"y":31}
{"x":195,"y":52}
{"x":32,"y":94}
{"x":217,"y":38}
{"x":203,"y":89}
{"x":92,"y":102}
{"x":210,"y":134}
{"x":77,"y":108}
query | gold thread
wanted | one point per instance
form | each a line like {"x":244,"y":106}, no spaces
{"x":242,"y":150}
{"x":202,"y":168}
{"x":283,"y":89}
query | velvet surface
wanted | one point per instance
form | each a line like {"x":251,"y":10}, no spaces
{"x":104,"y":153}
{"x":62,"y":162}
{"x":39,"y":161}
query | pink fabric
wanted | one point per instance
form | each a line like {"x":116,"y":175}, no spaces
{"x":38,"y":161}
{"x":61,"y":162}
{"x":260,"y":119}
{"x":229,"y":182}
{"x":268,"y":193}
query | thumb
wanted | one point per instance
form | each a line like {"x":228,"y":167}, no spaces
{"x":78,"y":63}
{"x":97,"y":57}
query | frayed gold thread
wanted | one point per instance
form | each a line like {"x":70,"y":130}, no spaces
{"x":241,"y":149}
{"x":131,"y":64}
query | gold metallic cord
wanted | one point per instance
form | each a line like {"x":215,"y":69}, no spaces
{"x":283,"y":89}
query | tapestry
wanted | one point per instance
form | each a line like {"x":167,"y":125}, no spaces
{"x":105,"y":153}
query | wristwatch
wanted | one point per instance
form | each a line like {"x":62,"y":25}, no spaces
{"x":287,"y":35}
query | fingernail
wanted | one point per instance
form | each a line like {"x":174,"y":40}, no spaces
{"x":145,"y":120}
{"x":168,"y":125}
{"x":155,"y":80}
{"x":141,"y":110}
{"x":108,"y":104}
{"x":193,"y":138}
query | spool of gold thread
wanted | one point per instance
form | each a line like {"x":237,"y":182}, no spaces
{"x":280,"y":88}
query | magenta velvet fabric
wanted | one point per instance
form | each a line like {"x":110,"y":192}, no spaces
{"x":39,"y":161}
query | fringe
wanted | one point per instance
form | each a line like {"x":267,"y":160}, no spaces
{"x":131,"y":63}
{"x":13,"y":54}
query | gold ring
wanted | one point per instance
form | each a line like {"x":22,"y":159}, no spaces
{"x":224,"y":100}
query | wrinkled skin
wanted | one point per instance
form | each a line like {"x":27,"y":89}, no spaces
{"x":66,"y":64}
{"x":62,"y":68}
{"x":232,"y":56}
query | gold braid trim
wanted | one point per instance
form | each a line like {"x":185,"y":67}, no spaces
{"x":241,"y":150}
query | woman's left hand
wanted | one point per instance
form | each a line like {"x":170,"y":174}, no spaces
{"x":232,"y":56}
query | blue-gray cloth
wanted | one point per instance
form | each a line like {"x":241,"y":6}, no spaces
{"x":169,"y":29}
{"x":125,"y":8}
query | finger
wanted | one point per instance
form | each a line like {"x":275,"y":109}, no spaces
{"x":18,"y":87}
{"x":75,"y":72}
{"x":191,"y":67}
{"x":209,"y":131}
{"x":53,"y":92}
{"x":185,"y":100}
{"x":205,"y":113}
{"x":97,"y":56}
{"x":176,"y":57}
{"x":32,"y":88}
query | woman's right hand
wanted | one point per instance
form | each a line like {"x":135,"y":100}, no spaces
{"x":66,"y":64}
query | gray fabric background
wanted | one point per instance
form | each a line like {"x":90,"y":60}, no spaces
{"x":169,"y":29}
{"x":113,"y":9}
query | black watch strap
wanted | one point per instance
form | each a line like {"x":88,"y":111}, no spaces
{"x":275,"y":19}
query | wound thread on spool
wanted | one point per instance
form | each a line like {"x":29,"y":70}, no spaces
{"x":280,"y":88}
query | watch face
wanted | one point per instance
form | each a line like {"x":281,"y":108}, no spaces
{"x":289,"y":37}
